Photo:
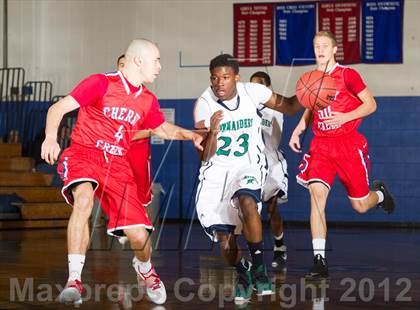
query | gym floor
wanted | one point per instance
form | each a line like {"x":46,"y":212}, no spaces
{"x":369,"y":269}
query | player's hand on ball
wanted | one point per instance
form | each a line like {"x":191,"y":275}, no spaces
{"x":337,"y":119}
{"x":215,"y":121}
{"x":50,"y":150}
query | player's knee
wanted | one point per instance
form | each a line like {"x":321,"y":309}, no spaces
{"x":360,"y":206}
{"x":228,"y":251}
{"x":272,"y":210}
{"x":222,"y":237}
{"x":248,"y":205}
{"x":319,"y":193}
{"x":224,"y":246}
{"x":138,"y":239}
{"x":83,"y":203}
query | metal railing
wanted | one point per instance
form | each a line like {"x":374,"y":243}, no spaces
{"x":11,"y":84}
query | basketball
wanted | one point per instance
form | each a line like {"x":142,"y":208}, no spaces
{"x":315,"y":90}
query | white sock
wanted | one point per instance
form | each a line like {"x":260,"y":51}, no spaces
{"x":76,"y":263}
{"x":143,"y":267}
{"x":380,"y":196}
{"x":319,"y":246}
{"x":279,"y":237}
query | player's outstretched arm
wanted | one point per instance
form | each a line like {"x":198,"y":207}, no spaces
{"x":50,"y":148}
{"x":286,"y":105}
{"x":170,"y":131}
{"x":142,"y":134}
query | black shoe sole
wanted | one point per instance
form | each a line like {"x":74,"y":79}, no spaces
{"x":316,"y":276}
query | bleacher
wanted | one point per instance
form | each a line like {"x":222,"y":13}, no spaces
{"x":27,"y":198}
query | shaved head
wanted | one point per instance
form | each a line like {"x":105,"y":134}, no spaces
{"x":139,"y":47}
{"x":142,"y":61}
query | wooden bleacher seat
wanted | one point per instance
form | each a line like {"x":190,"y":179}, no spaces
{"x":42,"y":206}
{"x":17,"y":164}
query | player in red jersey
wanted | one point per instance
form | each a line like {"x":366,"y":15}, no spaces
{"x":337,"y":148}
{"x":113,"y":108}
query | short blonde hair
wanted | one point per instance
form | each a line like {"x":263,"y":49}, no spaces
{"x":327,"y":34}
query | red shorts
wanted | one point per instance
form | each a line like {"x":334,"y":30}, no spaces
{"x":139,"y":158}
{"x":346,"y":156}
{"x":114,"y":185}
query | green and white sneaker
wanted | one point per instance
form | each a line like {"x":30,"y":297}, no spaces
{"x":244,"y":287}
{"x":262,"y":282}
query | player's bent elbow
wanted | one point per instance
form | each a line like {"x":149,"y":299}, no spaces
{"x":373,"y":107}
{"x":53,"y":109}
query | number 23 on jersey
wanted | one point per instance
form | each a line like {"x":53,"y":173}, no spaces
{"x":226,"y":148}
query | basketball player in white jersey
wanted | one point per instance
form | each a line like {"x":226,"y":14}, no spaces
{"x":234,"y":168}
{"x":275,"y":187}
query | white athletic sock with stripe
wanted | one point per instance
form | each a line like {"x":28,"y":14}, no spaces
{"x":319,"y":246}
{"x":76,"y":263}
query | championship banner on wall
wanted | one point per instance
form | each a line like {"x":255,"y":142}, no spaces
{"x":295,"y":30}
{"x":382,"y":31}
{"x":342,"y":18}
{"x":253,"y":34}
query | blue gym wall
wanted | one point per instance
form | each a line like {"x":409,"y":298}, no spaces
{"x":393,"y":133}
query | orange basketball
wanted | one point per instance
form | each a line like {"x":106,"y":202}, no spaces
{"x":315,"y":90}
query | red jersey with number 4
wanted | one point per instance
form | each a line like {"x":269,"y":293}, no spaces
{"x":111,"y":111}
{"x":349,"y":84}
